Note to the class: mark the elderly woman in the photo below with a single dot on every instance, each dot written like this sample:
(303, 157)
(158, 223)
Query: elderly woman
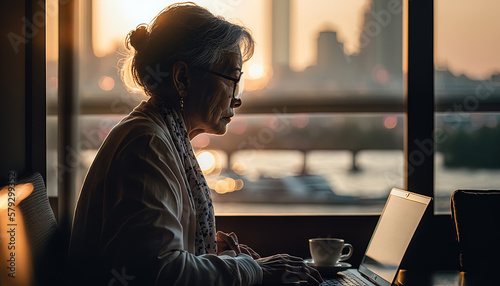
(144, 215)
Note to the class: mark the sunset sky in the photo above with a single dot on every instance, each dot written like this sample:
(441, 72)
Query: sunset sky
(308, 18)
(466, 38)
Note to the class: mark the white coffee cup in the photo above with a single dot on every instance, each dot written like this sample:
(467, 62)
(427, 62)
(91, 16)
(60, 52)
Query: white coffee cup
(329, 251)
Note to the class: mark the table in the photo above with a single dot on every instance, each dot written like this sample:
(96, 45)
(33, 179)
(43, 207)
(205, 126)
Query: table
(442, 278)
(437, 278)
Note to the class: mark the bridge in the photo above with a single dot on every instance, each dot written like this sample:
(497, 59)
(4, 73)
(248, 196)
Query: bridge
(306, 133)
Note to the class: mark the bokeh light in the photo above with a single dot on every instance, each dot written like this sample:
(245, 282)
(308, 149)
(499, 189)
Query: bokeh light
(201, 141)
(106, 83)
(207, 161)
(52, 83)
(221, 187)
(239, 184)
(239, 168)
(380, 74)
(300, 120)
(390, 122)
(238, 126)
(225, 185)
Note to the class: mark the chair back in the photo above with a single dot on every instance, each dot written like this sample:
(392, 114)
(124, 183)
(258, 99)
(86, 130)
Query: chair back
(43, 236)
(476, 215)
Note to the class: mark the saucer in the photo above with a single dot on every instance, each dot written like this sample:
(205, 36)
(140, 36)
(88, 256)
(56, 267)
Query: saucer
(328, 270)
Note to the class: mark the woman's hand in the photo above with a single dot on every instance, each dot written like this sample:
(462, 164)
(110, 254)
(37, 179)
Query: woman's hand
(287, 269)
(229, 241)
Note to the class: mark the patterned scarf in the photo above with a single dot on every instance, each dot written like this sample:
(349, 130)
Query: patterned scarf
(197, 187)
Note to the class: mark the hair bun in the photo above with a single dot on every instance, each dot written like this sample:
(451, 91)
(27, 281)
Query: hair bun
(139, 38)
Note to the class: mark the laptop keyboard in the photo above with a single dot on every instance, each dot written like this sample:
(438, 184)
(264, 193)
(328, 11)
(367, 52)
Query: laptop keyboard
(344, 279)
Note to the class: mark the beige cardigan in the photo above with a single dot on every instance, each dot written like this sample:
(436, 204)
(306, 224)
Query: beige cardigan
(134, 222)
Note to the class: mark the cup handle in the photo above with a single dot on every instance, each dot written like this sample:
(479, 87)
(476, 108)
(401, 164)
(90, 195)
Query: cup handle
(349, 254)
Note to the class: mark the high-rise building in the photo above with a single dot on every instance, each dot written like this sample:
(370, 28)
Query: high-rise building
(280, 37)
(330, 51)
(333, 64)
(381, 45)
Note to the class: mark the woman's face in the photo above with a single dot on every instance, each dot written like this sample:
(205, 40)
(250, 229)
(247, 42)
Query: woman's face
(210, 97)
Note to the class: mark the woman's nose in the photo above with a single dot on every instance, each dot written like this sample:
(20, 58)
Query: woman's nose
(235, 103)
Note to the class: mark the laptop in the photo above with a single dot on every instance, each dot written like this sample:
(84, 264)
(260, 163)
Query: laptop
(398, 222)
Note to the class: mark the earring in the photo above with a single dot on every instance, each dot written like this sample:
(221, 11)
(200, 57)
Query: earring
(182, 94)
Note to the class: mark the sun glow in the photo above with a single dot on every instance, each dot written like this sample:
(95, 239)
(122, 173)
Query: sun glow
(20, 192)
(16, 252)
(256, 71)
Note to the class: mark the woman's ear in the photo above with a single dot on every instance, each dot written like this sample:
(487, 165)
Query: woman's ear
(180, 77)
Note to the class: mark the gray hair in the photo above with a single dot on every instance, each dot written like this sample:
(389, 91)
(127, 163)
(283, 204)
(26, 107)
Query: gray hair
(181, 32)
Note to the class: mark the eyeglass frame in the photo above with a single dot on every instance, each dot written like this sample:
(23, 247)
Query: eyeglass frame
(235, 80)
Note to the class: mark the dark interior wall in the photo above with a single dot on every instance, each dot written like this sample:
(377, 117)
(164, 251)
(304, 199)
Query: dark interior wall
(12, 100)
(22, 100)
(434, 248)
(269, 235)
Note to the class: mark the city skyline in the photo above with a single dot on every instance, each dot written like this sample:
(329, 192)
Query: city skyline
(464, 38)
(377, 63)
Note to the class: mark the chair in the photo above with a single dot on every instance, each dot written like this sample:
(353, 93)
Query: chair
(476, 215)
(43, 236)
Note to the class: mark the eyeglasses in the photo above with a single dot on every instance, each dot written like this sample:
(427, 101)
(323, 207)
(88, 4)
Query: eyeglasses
(238, 82)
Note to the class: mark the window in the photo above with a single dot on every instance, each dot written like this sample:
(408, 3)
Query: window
(51, 85)
(467, 86)
(323, 103)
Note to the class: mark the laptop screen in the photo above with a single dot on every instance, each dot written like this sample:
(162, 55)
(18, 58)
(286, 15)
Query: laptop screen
(397, 224)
